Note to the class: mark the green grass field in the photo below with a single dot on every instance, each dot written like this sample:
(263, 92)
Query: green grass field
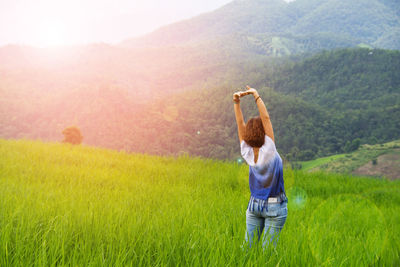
(311, 164)
(83, 206)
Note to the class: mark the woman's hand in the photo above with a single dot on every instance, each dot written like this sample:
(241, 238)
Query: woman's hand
(251, 91)
(236, 96)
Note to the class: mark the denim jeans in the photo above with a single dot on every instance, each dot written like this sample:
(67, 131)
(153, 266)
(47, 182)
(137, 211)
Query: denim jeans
(269, 217)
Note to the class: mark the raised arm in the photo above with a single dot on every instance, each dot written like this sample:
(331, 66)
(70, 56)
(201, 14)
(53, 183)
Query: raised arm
(263, 112)
(238, 115)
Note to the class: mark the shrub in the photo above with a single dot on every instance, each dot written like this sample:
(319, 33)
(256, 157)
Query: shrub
(306, 155)
(72, 135)
(352, 146)
(296, 165)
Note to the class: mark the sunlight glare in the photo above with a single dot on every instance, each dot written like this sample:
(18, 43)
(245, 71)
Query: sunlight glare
(51, 33)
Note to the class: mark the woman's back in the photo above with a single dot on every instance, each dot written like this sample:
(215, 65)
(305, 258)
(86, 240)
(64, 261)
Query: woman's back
(265, 174)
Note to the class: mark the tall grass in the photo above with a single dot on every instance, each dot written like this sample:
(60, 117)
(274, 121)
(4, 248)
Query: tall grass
(83, 206)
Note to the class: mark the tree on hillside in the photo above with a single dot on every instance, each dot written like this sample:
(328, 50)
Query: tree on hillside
(72, 135)
(352, 146)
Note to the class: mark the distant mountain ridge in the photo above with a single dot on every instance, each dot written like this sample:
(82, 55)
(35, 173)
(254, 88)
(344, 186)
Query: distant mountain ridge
(276, 27)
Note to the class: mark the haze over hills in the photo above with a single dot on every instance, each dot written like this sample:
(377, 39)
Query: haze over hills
(169, 92)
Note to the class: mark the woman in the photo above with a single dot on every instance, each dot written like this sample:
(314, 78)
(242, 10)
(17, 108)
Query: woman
(267, 208)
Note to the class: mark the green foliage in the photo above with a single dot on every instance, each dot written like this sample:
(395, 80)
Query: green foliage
(82, 206)
(296, 165)
(353, 146)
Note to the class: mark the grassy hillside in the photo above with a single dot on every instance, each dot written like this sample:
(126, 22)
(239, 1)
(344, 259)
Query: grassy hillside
(81, 206)
(381, 160)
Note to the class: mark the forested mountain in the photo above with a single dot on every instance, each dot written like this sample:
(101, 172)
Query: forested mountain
(275, 27)
(349, 79)
(319, 106)
(327, 104)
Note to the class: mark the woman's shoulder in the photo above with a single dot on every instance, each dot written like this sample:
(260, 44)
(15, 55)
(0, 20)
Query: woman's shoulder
(246, 151)
(269, 144)
(267, 151)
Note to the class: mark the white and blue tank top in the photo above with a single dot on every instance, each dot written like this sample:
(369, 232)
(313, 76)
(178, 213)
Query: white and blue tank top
(265, 176)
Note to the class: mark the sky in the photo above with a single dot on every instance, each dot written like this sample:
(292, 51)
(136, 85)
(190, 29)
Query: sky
(47, 23)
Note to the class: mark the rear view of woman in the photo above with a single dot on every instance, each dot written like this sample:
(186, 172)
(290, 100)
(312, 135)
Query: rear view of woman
(267, 209)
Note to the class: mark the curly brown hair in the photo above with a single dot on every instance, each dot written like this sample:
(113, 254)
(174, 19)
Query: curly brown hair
(254, 134)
